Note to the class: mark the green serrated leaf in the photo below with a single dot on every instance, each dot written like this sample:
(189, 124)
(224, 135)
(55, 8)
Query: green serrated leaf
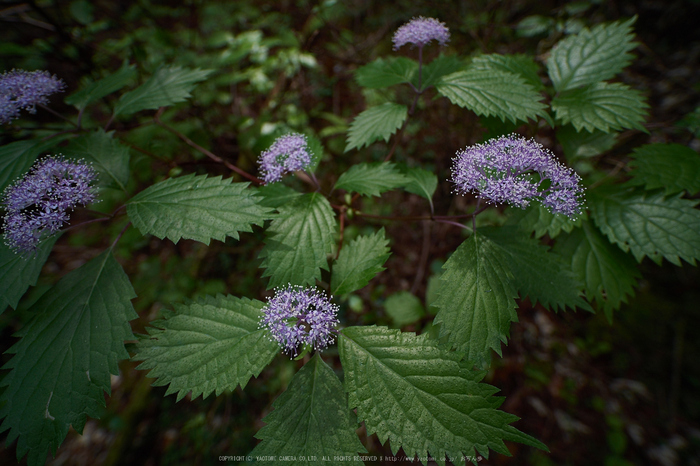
(196, 207)
(404, 308)
(299, 241)
(583, 144)
(648, 224)
(420, 182)
(531, 26)
(608, 274)
(490, 92)
(521, 65)
(109, 157)
(371, 179)
(19, 272)
(311, 420)
(436, 69)
(385, 72)
(316, 149)
(536, 218)
(61, 366)
(168, 85)
(602, 106)
(673, 167)
(105, 86)
(209, 345)
(359, 262)
(16, 158)
(476, 299)
(375, 123)
(537, 273)
(591, 56)
(276, 194)
(422, 398)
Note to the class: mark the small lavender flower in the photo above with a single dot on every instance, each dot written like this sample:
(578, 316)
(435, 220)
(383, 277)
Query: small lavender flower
(420, 31)
(23, 90)
(37, 204)
(516, 170)
(299, 317)
(287, 154)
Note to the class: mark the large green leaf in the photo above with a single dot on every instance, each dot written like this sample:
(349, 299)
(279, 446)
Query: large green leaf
(62, 364)
(422, 398)
(404, 308)
(105, 86)
(385, 72)
(436, 69)
(491, 92)
(168, 85)
(109, 157)
(602, 106)
(539, 274)
(299, 241)
(609, 275)
(375, 123)
(276, 194)
(198, 208)
(212, 344)
(591, 56)
(311, 420)
(476, 299)
(583, 144)
(421, 182)
(521, 65)
(359, 262)
(19, 272)
(648, 224)
(16, 158)
(673, 167)
(536, 218)
(371, 179)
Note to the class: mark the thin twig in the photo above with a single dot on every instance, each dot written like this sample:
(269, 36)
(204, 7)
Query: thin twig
(206, 152)
(86, 222)
(55, 113)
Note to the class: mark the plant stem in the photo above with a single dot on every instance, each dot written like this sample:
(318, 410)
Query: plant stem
(119, 236)
(206, 152)
(476, 212)
(54, 112)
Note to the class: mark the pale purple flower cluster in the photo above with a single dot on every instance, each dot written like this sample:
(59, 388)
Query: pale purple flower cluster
(37, 205)
(287, 154)
(23, 90)
(299, 317)
(420, 31)
(514, 170)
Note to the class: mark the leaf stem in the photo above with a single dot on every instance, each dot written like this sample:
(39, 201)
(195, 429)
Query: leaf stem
(119, 236)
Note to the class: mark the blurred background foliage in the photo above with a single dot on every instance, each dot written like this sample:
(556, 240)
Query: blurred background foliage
(595, 393)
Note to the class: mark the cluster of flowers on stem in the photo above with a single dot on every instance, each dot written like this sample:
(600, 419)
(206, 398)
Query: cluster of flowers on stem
(298, 318)
(24, 90)
(287, 154)
(420, 31)
(514, 170)
(37, 205)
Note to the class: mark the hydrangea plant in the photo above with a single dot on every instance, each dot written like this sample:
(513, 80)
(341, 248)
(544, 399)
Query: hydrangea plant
(501, 171)
(24, 90)
(37, 205)
(423, 393)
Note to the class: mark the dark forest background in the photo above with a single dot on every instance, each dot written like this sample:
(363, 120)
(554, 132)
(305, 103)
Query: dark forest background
(595, 393)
